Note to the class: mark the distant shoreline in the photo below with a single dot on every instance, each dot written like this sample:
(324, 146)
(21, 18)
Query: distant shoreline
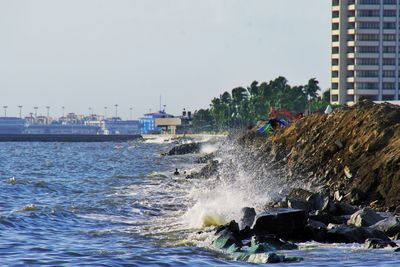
(67, 138)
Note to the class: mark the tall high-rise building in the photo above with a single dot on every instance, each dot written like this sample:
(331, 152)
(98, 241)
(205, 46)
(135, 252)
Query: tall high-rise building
(365, 50)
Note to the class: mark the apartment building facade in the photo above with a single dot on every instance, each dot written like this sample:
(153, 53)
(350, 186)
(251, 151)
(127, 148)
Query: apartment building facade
(365, 50)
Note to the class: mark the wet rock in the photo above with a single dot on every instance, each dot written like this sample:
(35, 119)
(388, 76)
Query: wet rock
(205, 159)
(351, 234)
(316, 224)
(356, 196)
(326, 218)
(207, 171)
(364, 217)
(344, 209)
(183, 149)
(248, 215)
(228, 235)
(269, 243)
(376, 243)
(262, 258)
(390, 226)
(301, 205)
(286, 223)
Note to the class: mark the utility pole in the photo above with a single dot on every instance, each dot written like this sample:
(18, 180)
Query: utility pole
(20, 111)
(63, 111)
(131, 112)
(5, 111)
(48, 111)
(116, 110)
(36, 108)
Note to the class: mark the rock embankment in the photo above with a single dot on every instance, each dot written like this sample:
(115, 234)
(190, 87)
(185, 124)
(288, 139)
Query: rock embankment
(354, 153)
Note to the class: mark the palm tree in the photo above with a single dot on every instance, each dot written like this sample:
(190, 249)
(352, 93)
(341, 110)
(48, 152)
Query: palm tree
(311, 90)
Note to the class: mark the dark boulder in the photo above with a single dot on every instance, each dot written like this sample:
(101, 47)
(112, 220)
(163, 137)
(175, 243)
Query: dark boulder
(364, 217)
(207, 171)
(390, 226)
(248, 216)
(302, 199)
(183, 149)
(228, 236)
(375, 243)
(351, 234)
(206, 158)
(342, 208)
(285, 223)
(269, 243)
(326, 218)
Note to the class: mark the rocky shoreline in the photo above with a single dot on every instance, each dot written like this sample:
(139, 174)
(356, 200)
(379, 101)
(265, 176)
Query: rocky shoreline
(349, 181)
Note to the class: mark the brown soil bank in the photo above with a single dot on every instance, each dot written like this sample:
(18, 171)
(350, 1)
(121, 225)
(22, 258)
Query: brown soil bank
(353, 152)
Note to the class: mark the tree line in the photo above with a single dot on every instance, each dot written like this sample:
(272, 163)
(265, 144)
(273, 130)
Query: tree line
(246, 105)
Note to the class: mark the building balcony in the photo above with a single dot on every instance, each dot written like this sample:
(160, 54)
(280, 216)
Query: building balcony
(351, 43)
(351, 31)
(335, 32)
(335, 56)
(389, 19)
(364, 7)
(389, 67)
(335, 68)
(367, 43)
(389, 79)
(336, 20)
(366, 79)
(389, 31)
(367, 55)
(368, 19)
(368, 31)
(367, 91)
(389, 43)
(335, 80)
(336, 8)
(350, 91)
(335, 44)
(365, 67)
(350, 79)
(388, 92)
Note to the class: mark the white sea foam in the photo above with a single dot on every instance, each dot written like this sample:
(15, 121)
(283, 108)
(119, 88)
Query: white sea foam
(208, 148)
(241, 183)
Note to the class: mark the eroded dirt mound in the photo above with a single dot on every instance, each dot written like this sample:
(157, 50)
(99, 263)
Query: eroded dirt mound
(354, 152)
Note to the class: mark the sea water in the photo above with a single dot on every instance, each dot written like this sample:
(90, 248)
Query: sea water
(119, 204)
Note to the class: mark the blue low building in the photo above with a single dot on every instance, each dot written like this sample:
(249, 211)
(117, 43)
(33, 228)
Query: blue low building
(11, 125)
(148, 125)
(118, 126)
(62, 129)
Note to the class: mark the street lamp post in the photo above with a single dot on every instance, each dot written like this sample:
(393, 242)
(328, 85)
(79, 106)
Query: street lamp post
(63, 108)
(48, 111)
(36, 108)
(130, 109)
(20, 111)
(5, 111)
(116, 110)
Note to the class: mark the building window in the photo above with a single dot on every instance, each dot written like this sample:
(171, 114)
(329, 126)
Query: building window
(389, 49)
(389, 86)
(367, 61)
(389, 73)
(367, 49)
(335, 98)
(367, 86)
(368, 37)
(367, 73)
(389, 37)
(389, 61)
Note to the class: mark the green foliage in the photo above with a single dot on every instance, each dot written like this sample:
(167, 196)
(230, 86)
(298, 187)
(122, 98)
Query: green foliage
(245, 106)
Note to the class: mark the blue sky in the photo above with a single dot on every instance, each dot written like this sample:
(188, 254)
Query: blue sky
(96, 53)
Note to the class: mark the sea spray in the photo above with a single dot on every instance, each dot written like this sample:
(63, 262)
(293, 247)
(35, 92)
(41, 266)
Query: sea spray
(242, 181)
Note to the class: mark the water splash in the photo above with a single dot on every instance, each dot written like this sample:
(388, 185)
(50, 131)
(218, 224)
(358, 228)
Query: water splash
(242, 181)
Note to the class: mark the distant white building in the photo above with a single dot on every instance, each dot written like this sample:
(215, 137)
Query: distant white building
(365, 50)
